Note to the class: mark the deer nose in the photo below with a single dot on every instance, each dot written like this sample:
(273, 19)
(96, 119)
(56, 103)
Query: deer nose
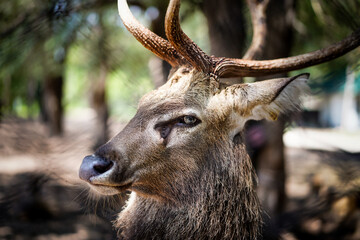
(93, 166)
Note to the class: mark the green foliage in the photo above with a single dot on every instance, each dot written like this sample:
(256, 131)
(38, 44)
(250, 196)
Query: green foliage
(33, 47)
(77, 38)
(322, 22)
(125, 59)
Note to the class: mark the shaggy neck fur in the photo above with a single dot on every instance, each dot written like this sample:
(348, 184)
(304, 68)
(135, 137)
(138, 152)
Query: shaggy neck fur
(222, 203)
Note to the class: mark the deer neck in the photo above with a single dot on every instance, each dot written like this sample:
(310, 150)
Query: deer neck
(225, 204)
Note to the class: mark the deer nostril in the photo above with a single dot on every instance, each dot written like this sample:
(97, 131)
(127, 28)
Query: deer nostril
(93, 166)
(103, 166)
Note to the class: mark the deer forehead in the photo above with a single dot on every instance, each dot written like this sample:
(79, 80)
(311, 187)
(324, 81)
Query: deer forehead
(184, 89)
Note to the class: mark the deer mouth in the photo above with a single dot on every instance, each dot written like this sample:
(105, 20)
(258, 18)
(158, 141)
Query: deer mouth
(110, 189)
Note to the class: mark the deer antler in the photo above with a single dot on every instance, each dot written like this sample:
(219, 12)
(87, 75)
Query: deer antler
(231, 67)
(181, 50)
(156, 44)
(182, 43)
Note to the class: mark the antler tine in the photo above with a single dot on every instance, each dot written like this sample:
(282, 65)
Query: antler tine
(230, 67)
(182, 43)
(156, 44)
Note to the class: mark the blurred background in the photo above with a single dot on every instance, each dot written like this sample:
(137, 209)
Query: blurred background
(71, 77)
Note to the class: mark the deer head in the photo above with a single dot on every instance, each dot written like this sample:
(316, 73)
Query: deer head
(175, 123)
(194, 120)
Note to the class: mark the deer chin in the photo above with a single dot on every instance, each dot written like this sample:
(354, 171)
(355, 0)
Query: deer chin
(111, 189)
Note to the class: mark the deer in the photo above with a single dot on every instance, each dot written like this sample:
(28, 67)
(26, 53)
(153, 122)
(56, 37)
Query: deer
(182, 156)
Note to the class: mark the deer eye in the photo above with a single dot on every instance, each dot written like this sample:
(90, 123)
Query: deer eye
(188, 121)
(184, 121)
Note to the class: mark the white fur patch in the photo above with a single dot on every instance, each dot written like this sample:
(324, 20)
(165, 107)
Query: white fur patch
(130, 203)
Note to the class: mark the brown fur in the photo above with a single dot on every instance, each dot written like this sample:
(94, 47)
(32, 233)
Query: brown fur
(219, 202)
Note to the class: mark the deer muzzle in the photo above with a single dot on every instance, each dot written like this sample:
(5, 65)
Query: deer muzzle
(98, 173)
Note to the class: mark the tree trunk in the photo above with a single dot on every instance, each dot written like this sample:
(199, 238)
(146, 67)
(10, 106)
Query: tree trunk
(53, 109)
(98, 97)
(226, 26)
(159, 69)
(98, 102)
(5, 98)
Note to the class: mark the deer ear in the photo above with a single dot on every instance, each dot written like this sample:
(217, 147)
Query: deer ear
(267, 99)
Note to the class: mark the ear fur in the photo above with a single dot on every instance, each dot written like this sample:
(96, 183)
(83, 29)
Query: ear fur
(260, 100)
(286, 98)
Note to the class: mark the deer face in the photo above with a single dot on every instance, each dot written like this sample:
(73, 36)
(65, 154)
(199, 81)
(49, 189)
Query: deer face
(164, 145)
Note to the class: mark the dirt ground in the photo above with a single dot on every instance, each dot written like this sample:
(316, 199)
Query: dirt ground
(41, 196)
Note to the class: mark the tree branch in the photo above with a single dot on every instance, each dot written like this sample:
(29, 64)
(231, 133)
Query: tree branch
(258, 20)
